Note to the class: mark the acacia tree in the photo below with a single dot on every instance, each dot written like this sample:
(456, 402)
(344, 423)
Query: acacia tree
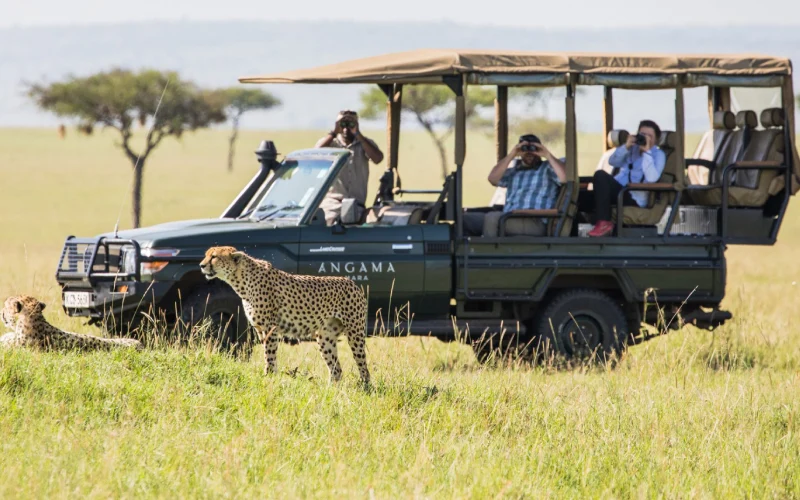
(239, 101)
(117, 98)
(433, 106)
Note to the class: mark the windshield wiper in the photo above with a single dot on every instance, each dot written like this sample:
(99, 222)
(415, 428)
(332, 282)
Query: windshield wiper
(288, 206)
(247, 213)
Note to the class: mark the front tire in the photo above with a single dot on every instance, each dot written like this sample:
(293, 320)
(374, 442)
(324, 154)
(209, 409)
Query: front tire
(583, 324)
(227, 325)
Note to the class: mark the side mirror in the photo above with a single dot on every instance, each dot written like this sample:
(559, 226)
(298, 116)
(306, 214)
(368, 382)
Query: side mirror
(337, 227)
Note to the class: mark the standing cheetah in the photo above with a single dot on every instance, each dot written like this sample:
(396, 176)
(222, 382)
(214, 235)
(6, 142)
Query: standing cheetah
(279, 304)
(23, 314)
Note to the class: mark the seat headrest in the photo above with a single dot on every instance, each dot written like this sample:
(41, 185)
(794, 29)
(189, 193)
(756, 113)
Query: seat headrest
(668, 139)
(746, 119)
(772, 117)
(617, 137)
(724, 120)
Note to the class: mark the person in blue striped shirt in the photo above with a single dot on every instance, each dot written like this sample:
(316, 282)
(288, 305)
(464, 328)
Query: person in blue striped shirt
(532, 177)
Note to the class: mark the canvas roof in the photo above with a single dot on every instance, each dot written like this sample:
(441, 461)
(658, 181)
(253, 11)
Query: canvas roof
(430, 65)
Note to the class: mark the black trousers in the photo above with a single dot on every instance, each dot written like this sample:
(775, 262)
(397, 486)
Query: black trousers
(603, 197)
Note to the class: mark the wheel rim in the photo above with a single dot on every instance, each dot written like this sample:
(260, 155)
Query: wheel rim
(580, 335)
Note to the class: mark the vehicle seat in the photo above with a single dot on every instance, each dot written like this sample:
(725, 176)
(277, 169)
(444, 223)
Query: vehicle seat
(658, 201)
(395, 215)
(711, 146)
(749, 188)
(614, 139)
(520, 224)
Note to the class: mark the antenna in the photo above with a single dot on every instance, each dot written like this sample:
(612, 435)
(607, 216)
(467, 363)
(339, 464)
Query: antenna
(139, 156)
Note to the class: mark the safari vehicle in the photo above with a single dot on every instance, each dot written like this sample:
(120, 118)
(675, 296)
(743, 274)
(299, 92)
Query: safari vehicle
(423, 276)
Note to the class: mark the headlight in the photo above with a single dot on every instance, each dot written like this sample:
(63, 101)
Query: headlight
(127, 259)
(150, 268)
(128, 265)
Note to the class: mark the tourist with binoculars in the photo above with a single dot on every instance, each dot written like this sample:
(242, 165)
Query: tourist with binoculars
(531, 176)
(353, 177)
(639, 160)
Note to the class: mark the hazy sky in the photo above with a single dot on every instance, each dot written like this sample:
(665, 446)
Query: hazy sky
(569, 13)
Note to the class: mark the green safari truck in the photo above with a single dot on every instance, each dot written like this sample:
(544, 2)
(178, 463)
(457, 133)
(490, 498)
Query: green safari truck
(582, 296)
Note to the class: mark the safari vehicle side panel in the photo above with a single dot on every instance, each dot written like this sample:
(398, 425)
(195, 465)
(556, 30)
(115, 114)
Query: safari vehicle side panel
(524, 270)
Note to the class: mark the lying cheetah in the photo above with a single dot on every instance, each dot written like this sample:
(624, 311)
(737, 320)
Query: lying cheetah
(23, 314)
(279, 304)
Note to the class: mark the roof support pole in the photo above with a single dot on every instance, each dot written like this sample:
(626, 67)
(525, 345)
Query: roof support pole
(719, 99)
(570, 134)
(790, 156)
(712, 105)
(571, 142)
(501, 122)
(608, 115)
(458, 85)
(394, 95)
(679, 129)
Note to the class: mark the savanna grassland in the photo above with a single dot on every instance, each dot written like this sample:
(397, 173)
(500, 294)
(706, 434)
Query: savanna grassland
(688, 414)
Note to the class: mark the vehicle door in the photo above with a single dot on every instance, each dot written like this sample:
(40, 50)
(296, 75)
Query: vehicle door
(388, 261)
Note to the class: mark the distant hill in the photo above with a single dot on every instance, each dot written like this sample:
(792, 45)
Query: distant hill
(216, 54)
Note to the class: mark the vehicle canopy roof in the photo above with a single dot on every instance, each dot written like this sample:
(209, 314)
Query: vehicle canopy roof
(435, 65)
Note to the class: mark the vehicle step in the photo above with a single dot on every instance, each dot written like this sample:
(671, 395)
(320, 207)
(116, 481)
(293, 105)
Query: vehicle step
(445, 327)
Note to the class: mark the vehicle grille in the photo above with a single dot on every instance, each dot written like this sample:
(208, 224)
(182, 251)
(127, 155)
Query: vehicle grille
(76, 257)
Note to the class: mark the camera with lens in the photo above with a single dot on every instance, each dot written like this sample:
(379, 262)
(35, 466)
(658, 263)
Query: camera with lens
(641, 140)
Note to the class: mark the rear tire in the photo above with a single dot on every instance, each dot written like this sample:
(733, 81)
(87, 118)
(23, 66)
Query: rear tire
(586, 324)
(228, 328)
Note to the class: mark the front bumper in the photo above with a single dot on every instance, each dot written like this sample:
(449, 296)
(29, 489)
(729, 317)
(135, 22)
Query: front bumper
(102, 277)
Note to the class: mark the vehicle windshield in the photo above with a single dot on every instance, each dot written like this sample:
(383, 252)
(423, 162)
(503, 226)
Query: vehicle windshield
(294, 185)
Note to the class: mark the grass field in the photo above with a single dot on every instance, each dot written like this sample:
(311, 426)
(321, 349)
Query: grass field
(689, 414)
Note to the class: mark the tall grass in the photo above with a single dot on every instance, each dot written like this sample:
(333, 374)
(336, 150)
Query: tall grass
(687, 414)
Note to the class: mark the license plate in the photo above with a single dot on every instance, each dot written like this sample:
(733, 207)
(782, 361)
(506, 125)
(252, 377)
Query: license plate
(77, 299)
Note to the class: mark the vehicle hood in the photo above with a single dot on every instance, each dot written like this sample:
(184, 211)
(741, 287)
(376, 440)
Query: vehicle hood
(203, 233)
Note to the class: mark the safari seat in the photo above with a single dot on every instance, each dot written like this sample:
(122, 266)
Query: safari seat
(748, 187)
(520, 222)
(614, 139)
(395, 214)
(711, 147)
(662, 193)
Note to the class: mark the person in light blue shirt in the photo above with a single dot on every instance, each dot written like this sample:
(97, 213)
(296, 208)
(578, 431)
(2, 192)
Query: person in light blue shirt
(638, 161)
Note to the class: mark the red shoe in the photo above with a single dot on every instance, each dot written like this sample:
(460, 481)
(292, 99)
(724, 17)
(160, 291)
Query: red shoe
(602, 228)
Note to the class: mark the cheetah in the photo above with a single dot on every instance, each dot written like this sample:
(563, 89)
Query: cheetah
(23, 314)
(279, 304)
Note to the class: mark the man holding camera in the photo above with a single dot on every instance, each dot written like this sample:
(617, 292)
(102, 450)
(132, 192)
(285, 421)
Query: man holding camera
(640, 160)
(531, 184)
(352, 179)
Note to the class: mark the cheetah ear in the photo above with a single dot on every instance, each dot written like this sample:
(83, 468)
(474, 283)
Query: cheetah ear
(42, 305)
(18, 306)
(237, 257)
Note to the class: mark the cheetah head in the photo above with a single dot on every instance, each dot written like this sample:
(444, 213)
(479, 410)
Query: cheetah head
(20, 305)
(221, 262)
